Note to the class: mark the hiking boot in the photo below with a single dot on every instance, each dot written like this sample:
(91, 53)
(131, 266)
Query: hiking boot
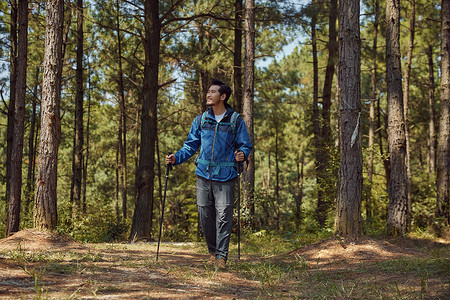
(221, 263)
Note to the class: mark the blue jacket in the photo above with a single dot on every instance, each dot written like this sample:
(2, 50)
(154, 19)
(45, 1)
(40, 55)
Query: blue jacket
(217, 144)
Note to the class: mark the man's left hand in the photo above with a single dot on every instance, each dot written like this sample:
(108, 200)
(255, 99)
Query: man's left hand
(239, 155)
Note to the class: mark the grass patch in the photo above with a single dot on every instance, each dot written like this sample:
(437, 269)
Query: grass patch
(266, 243)
(432, 266)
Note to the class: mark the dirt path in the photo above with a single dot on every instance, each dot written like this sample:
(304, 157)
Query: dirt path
(42, 265)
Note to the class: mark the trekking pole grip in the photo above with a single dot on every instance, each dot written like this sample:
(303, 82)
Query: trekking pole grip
(239, 165)
(169, 166)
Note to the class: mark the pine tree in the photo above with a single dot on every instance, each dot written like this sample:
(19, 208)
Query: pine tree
(247, 110)
(443, 164)
(396, 220)
(15, 185)
(77, 168)
(45, 203)
(143, 212)
(348, 206)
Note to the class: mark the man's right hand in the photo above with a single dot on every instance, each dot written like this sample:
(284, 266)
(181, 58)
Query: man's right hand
(170, 159)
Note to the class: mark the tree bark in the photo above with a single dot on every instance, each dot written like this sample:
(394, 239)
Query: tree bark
(15, 185)
(122, 121)
(248, 178)
(396, 223)
(431, 157)
(159, 175)
(316, 115)
(373, 92)
(136, 151)
(77, 166)
(325, 181)
(384, 156)
(45, 203)
(204, 76)
(442, 202)
(261, 168)
(348, 206)
(412, 23)
(143, 213)
(66, 26)
(86, 156)
(12, 97)
(31, 145)
(379, 116)
(117, 185)
(237, 62)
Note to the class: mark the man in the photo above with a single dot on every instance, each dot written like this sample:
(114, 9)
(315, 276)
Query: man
(222, 137)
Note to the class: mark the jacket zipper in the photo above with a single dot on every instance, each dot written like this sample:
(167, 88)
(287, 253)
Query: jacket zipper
(212, 152)
(214, 143)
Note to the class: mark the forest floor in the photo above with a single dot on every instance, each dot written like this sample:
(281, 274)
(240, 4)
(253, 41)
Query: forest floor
(37, 265)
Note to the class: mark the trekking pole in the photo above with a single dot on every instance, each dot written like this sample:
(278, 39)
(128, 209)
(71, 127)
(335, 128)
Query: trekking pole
(239, 170)
(169, 167)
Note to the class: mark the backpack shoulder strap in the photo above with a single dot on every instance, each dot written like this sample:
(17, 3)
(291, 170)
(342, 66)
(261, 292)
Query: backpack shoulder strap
(232, 122)
(233, 119)
(203, 120)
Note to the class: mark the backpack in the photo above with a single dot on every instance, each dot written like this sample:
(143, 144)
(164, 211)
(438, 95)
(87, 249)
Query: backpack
(232, 123)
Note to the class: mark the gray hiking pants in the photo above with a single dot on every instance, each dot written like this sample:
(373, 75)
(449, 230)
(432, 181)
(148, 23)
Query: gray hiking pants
(215, 202)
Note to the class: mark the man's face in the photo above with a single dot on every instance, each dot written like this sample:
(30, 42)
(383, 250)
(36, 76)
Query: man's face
(213, 96)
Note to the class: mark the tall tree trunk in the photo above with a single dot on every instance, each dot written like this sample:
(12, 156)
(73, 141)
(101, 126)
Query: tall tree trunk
(203, 83)
(370, 160)
(396, 223)
(86, 156)
(122, 121)
(45, 212)
(384, 156)
(143, 213)
(136, 153)
(299, 196)
(31, 145)
(77, 165)
(248, 179)
(412, 29)
(204, 74)
(117, 185)
(15, 194)
(316, 114)
(67, 24)
(12, 98)
(373, 92)
(261, 168)
(159, 175)
(348, 206)
(325, 181)
(431, 157)
(237, 65)
(443, 202)
(379, 117)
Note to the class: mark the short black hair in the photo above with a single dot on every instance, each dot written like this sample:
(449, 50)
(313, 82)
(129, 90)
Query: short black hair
(223, 88)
